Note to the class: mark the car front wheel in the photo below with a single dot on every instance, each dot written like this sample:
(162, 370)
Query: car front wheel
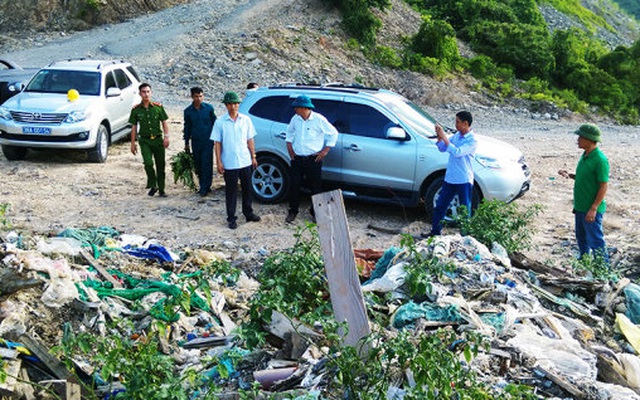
(270, 180)
(14, 153)
(432, 193)
(99, 153)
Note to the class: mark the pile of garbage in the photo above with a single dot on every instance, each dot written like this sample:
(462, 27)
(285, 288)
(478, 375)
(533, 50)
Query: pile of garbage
(560, 335)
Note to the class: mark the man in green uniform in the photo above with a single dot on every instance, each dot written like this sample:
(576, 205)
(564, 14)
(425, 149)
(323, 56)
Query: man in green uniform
(149, 125)
(589, 189)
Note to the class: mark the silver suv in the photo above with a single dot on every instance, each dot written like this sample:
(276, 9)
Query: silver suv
(47, 113)
(386, 149)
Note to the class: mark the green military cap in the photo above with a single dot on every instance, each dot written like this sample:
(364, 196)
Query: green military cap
(589, 131)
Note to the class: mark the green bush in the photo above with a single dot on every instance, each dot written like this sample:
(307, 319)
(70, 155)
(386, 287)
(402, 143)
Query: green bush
(358, 20)
(524, 47)
(386, 57)
(292, 282)
(504, 223)
(437, 39)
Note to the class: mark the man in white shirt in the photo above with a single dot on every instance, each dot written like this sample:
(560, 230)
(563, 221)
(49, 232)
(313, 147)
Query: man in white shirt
(232, 136)
(309, 138)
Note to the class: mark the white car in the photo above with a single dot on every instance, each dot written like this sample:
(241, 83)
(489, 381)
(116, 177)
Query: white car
(73, 104)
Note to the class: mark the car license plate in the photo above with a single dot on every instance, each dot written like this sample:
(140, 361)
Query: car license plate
(36, 130)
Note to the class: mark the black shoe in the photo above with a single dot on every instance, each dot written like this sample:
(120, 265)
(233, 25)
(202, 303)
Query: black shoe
(162, 194)
(427, 235)
(152, 191)
(253, 218)
(291, 217)
(233, 225)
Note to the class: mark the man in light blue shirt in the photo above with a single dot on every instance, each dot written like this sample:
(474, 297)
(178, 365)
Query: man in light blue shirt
(458, 179)
(309, 138)
(232, 136)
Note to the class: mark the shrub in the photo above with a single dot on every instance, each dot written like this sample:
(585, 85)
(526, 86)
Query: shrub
(358, 20)
(524, 47)
(294, 283)
(437, 39)
(504, 223)
(386, 57)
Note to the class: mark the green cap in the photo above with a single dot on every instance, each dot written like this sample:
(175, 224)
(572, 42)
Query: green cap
(589, 131)
(231, 97)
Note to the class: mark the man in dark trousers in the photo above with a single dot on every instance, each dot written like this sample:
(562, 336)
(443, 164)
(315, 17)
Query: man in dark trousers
(309, 138)
(199, 118)
(235, 151)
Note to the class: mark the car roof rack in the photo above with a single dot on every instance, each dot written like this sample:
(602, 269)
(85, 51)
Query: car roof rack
(330, 85)
(51, 64)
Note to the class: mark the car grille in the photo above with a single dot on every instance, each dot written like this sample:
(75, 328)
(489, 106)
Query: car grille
(43, 138)
(38, 118)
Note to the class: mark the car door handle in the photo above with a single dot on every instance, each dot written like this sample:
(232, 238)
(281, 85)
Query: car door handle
(281, 135)
(353, 147)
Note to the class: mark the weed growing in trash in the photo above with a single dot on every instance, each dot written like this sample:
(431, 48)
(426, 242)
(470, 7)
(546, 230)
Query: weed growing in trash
(421, 269)
(144, 371)
(504, 223)
(596, 266)
(430, 362)
(292, 282)
(4, 221)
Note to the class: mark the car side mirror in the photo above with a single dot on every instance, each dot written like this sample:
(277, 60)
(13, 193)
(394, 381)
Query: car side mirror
(396, 132)
(16, 87)
(114, 92)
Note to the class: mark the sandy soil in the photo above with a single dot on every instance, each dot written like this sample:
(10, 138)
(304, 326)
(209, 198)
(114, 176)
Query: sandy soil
(51, 191)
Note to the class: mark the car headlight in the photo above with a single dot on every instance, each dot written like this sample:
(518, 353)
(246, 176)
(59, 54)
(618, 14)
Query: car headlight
(76, 116)
(5, 114)
(490, 162)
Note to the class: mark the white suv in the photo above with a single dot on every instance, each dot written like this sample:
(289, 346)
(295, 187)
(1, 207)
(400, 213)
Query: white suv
(48, 114)
(386, 151)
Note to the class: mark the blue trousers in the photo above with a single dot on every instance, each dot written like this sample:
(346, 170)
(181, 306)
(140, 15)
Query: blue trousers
(203, 161)
(447, 193)
(590, 236)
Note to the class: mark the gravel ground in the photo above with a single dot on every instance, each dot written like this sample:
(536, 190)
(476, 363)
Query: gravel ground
(222, 46)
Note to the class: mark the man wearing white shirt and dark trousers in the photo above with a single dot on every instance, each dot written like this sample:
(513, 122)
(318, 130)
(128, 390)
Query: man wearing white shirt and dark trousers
(309, 138)
(232, 136)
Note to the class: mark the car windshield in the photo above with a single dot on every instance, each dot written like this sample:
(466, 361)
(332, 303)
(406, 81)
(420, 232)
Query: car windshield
(411, 114)
(57, 81)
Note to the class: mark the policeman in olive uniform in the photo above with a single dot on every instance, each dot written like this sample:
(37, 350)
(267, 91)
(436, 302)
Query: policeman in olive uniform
(153, 139)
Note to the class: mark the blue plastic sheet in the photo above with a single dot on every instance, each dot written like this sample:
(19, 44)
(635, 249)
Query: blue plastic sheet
(632, 294)
(408, 313)
(383, 263)
(152, 252)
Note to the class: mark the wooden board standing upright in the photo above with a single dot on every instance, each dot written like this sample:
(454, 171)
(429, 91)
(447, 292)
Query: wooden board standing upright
(340, 265)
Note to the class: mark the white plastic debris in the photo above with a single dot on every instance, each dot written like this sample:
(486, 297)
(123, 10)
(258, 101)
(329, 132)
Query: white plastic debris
(60, 245)
(390, 281)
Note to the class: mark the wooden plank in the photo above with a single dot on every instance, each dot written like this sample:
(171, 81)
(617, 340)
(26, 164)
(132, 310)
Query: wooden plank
(53, 364)
(340, 265)
(101, 270)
